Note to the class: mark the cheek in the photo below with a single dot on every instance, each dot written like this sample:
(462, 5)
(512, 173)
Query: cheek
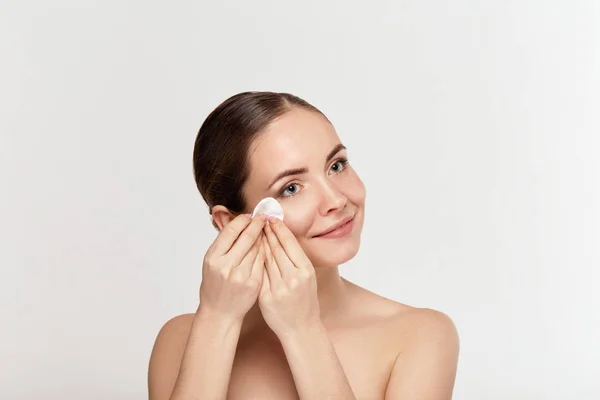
(299, 215)
(354, 189)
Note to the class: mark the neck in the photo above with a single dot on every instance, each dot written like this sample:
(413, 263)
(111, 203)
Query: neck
(332, 291)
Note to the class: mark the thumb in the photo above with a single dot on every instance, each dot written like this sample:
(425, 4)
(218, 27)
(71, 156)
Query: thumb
(258, 266)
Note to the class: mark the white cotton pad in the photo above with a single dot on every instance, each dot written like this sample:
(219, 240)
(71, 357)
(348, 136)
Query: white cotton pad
(269, 206)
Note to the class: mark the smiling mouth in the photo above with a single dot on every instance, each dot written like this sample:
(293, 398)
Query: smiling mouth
(339, 228)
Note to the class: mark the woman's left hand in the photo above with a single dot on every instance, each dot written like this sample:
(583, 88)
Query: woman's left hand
(288, 297)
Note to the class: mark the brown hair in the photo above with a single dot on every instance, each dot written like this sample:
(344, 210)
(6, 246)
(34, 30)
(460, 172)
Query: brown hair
(221, 147)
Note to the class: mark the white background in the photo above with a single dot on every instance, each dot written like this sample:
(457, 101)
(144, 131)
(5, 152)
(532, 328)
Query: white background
(474, 125)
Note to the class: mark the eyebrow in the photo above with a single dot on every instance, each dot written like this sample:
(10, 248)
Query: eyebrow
(304, 170)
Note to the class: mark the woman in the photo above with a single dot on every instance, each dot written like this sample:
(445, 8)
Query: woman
(276, 320)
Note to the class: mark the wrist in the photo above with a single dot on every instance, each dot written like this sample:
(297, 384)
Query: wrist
(213, 318)
(302, 332)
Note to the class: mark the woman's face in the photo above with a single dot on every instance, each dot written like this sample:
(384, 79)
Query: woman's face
(319, 188)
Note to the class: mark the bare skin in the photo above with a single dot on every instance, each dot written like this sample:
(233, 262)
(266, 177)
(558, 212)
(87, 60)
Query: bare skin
(382, 349)
(368, 336)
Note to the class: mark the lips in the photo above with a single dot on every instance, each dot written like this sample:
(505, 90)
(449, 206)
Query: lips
(335, 226)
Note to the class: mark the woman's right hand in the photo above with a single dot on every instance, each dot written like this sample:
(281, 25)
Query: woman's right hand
(232, 270)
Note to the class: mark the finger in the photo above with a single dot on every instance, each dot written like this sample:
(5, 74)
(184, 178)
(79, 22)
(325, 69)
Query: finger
(266, 284)
(289, 243)
(259, 262)
(246, 265)
(270, 264)
(285, 264)
(229, 234)
(245, 241)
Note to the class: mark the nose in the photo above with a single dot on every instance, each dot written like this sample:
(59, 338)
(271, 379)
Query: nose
(332, 199)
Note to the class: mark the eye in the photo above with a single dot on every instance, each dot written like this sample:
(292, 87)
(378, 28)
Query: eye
(339, 165)
(289, 190)
(292, 189)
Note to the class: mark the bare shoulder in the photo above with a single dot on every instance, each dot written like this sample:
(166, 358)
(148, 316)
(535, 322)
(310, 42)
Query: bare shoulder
(166, 356)
(173, 335)
(407, 323)
(407, 318)
(425, 345)
(427, 357)
(425, 326)
(178, 324)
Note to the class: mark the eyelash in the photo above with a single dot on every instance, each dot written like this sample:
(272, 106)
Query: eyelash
(343, 161)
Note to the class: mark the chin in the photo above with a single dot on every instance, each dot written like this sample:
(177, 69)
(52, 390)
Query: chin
(327, 255)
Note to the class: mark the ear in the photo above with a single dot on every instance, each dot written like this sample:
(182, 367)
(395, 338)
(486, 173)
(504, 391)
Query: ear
(221, 216)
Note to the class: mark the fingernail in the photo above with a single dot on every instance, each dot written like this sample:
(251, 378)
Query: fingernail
(263, 217)
(272, 219)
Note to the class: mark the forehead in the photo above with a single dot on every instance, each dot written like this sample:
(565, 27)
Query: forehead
(299, 138)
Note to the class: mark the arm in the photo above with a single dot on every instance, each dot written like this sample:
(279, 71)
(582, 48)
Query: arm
(193, 355)
(426, 368)
(315, 366)
(289, 304)
(196, 365)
